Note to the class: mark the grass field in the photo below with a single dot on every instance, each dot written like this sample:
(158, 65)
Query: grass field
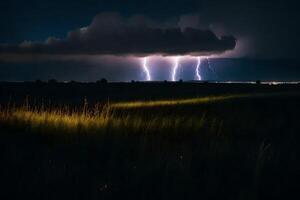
(239, 146)
(100, 117)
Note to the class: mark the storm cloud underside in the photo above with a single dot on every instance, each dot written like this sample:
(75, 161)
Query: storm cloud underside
(112, 34)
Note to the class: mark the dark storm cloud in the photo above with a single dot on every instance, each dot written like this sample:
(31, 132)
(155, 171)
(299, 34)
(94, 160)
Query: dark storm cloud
(111, 34)
(265, 29)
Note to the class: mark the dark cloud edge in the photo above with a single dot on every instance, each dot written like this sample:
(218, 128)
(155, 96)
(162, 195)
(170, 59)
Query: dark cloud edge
(135, 39)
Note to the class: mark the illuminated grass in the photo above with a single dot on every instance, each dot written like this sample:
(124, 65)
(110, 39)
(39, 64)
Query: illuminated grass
(91, 123)
(104, 118)
(224, 143)
(114, 116)
(190, 101)
(59, 119)
(175, 102)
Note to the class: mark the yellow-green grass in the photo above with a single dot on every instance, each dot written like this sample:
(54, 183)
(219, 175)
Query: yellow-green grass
(95, 124)
(174, 102)
(189, 101)
(113, 116)
(228, 144)
(100, 119)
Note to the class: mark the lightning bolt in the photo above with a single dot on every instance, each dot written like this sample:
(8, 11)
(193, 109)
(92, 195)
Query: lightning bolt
(145, 67)
(176, 64)
(210, 68)
(198, 76)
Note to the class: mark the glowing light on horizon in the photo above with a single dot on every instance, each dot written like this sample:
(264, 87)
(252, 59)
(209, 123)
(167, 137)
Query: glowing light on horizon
(198, 76)
(145, 67)
(176, 64)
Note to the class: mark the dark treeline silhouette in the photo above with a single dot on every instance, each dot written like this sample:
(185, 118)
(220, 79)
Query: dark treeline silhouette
(74, 92)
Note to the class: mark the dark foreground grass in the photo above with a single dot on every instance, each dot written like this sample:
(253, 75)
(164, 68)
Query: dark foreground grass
(242, 147)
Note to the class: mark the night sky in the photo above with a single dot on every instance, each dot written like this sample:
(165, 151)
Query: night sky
(90, 39)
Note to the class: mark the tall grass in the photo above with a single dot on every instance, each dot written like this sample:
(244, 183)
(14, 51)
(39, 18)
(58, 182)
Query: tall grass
(97, 118)
(138, 116)
(223, 147)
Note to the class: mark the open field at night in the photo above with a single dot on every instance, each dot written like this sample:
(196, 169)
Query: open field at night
(225, 141)
(149, 100)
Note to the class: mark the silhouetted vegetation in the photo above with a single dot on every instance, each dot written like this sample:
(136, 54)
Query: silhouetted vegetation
(73, 82)
(38, 81)
(102, 81)
(52, 81)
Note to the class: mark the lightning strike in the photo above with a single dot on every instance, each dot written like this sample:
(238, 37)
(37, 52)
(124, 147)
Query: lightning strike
(210, 68)
(198, 76)
(176, 64)
(145, 67)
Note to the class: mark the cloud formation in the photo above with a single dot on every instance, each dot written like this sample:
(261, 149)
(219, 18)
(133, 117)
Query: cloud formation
(111, 34)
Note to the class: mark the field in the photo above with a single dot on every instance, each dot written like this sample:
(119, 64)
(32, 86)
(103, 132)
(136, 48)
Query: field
(149, 141)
